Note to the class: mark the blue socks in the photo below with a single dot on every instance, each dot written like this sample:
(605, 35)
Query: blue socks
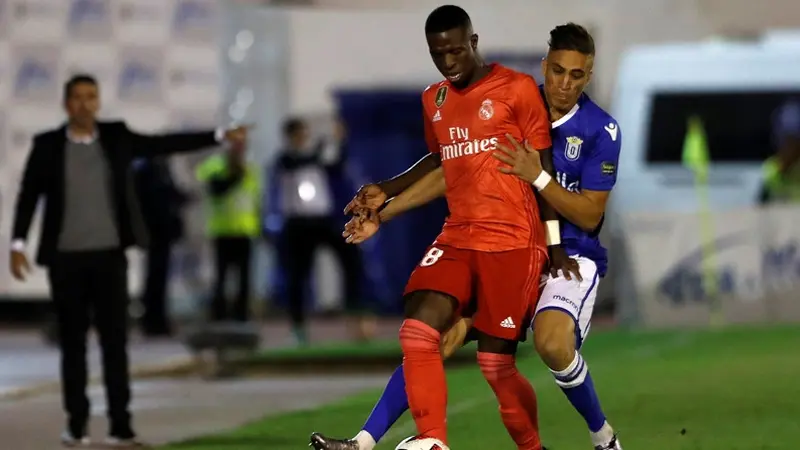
(576, 382)
(392, 404)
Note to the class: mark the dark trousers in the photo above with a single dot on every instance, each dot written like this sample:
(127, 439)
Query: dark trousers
(301, 238)
(92, 288)
(154, 299)
(232, 253)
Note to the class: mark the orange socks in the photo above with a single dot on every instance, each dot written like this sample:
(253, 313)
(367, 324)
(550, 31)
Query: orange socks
(516, 398)
(426, 385)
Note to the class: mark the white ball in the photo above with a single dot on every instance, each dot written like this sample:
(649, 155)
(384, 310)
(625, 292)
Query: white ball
(412, 443)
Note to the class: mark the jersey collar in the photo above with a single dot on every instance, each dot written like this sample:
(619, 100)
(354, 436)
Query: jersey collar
(572, 112)
(566, 117)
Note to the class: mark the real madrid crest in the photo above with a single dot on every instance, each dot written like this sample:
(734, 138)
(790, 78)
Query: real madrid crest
(441, 96)
(573, 150)
(486, 111)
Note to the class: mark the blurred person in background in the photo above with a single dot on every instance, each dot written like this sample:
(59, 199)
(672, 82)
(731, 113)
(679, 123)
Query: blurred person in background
(344, 177)
(82, 171)
(162, 205)
(303, 215)
(234, 199)
(782, 172)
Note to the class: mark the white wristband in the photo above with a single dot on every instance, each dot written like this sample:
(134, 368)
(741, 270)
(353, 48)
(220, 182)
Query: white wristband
(553, 232)
(18, 245)
(542, 181)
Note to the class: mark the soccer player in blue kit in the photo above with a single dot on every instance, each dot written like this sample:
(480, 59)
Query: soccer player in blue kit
(586, 146)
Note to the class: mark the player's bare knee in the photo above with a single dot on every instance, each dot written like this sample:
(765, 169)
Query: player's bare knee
(434, 309)
(554, 338)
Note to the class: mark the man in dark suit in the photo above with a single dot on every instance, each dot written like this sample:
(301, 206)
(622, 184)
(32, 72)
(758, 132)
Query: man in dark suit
(83, 171)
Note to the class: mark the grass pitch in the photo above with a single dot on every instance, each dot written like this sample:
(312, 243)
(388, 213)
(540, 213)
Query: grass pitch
(733, 389)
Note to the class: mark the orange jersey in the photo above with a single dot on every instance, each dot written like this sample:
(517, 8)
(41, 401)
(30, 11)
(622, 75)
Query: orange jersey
(489, 211)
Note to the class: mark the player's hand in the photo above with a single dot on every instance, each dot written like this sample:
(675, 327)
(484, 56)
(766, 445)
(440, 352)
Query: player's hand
(362, 226)
(369, 196)
(238, 136)
(20, 266)
(522, 161)
(562, 265)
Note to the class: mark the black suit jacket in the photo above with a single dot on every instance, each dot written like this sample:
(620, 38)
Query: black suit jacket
(44, 178)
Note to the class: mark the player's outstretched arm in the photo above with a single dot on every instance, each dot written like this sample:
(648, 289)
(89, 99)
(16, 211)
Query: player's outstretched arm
(548, 213)
(560, 263)
(430, 187)
(366, 221)
(396, 185)
(585, 208)
(373, 196)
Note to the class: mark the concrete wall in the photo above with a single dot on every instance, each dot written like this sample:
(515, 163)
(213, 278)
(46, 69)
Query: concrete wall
(371, 42)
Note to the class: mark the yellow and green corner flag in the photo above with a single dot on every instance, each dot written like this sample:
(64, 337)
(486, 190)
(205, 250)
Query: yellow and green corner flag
(695, 157)
(695, 149)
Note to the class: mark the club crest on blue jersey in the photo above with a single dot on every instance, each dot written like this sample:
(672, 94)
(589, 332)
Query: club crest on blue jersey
(573, 150)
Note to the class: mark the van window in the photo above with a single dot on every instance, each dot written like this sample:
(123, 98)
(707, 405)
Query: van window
(738, 125)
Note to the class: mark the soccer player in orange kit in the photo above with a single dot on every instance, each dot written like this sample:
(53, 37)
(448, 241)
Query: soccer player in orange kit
(492, 246)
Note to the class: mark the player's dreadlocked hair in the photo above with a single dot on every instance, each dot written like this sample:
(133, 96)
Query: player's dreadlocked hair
(571, 36)
(445, 18)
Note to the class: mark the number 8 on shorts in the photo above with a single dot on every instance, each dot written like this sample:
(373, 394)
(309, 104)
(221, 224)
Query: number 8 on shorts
(443, 269)
(431, 257)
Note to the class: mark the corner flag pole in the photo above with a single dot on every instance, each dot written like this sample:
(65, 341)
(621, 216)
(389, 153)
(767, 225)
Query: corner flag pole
(696, 158)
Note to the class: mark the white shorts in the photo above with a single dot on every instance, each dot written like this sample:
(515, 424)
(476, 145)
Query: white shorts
(574, 297)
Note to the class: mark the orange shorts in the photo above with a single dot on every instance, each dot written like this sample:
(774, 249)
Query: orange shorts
(505, 285)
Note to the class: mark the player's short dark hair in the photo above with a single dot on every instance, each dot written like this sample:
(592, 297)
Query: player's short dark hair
(571, 36)
(446, 18)
(81, 78)
(292, 125)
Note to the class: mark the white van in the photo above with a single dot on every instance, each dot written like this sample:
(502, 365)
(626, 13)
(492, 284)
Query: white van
(735, 87)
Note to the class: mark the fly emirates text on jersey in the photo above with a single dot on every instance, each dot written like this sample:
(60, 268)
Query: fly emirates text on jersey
(461, 144)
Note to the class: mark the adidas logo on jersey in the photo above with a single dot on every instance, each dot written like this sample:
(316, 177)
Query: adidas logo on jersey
(437, 117)
(507, 323)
